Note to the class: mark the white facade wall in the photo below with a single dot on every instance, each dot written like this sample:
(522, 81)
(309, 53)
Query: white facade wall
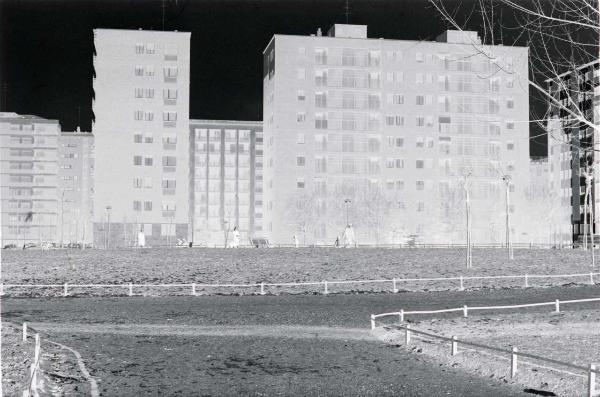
(142, 135)
(433, 111)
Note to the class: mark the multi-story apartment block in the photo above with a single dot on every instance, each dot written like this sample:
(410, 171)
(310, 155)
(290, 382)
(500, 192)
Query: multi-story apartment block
(28, 179)
(75, 187)
(227, 184)
(383, 133)
(141, 132)
(573, 139)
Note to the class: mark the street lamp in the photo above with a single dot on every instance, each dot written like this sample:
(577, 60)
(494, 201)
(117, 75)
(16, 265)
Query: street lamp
(347, 202)
(108, 208)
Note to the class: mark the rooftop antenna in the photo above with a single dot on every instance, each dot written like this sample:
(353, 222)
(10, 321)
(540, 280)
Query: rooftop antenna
(347, 10)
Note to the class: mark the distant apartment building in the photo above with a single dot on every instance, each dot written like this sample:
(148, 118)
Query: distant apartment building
(75, 187)
(28, 179)
(141, 132)
(382, 134)
(573, 142)
(226, 189)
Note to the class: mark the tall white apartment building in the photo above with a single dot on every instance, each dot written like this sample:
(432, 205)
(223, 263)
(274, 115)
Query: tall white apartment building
(382, 133)
(227, 185)
(28, 179)
(141, 131)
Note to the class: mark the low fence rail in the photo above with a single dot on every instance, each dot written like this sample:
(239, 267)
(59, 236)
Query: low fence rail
(591, 370)
(324, 286)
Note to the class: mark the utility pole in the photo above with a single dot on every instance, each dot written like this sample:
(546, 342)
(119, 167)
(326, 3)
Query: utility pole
(469, 261)
(506, 179)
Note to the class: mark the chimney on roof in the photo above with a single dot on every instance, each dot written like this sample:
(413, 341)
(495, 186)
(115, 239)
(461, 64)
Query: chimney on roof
(319, 33)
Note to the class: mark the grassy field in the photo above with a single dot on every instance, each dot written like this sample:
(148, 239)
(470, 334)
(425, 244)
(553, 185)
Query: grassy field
(274, 265)
(571, 337)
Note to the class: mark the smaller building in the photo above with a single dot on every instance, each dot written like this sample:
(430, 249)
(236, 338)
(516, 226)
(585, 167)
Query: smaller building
(227, 180)
(28, 179)
(76, 187)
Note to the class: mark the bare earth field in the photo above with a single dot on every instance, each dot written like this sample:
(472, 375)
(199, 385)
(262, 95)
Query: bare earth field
(572, 337)
(278, 265)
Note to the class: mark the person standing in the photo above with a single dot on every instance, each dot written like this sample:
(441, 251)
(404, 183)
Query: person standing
(141, 238)
(296, 241)
(346, 236)
(236, 238)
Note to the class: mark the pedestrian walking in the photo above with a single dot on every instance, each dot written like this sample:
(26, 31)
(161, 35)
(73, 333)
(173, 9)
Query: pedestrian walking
(336, 243)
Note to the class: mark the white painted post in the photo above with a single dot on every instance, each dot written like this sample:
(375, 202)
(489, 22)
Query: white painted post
(33, 379)
(465, 311)
(462, 288)
(407, 338)
(262, 288)
(526, 281)
(194, 289)
(513, 362)
(372, 322)
(454, 346)
(65, 293)
(401, 315)
(130, 289)
(395, 288)
(557, 306)
(24, 332)
(591, 278)
(36, 351)
(326, 291)
(591, 381)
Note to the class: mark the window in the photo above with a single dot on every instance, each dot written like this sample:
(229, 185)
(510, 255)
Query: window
(300, 161)
(139, 115)
(389, 120)
(420, 142)
(510, 125)
(137, 183)
(148, 138)
(419, 78)
(398, 99)
(170, 94)
(420, 185)
(419, 57)
(148, 161)
(169, 116)
(149, 70)
(321, 164)
(301, 95)
(168, 183)
(147, 205)
(301, 117)
(510, 146)
(137, 205)
(139, 70)
(300, 183)
(137, 138)
(170, 72)
(321, 121)
(137, 160)
(139, 92)
(149, 92)
(399, 142)
(300, 138)
(399, 120)
(150, 48)
(510, 103)
(420, 164)
(389, 163)
(420, 121)
(148, 116)
(320, 99)
(509, 83)
(420, 206)
(169, 161)
(399, 163)
(139, 48)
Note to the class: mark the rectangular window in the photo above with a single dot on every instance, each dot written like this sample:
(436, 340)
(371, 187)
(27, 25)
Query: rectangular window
(420, 121)
(300, 138)
(301, 95)
(149, 92)
(399, 163)
(399, 142)
(420, 185)
(510, 103)
(139, 48)
(137, 160)
(139, 70)
(399, 120)
(137, 183)
(300, 183)
(148, 161)
(138, 115)
(147, 205)
(139, 92)
(169, 116)
(420, 206)
(300, 161)
(168, 183)
(137, 138)
(510, 146)
(137, 205)
(420, 164)
(301, 117)
(149, 70)
(169, 161)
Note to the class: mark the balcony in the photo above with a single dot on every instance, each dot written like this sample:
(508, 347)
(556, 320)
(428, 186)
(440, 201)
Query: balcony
(169, 168)
(168, 214)
(169, 124)
(168, 191)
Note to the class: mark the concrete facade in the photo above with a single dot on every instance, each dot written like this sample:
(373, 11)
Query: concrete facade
(227, 183)
(28, 179)
(141, 134)
(75, 187)
(574, 143)
(381, 133)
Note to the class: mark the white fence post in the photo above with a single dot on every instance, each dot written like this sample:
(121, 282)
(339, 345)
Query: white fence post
(194, 289)
(591, 381)
(454, 346)
(36, 351)
(130, 289)
(513, 362)
(526, 281)
(462, 287)
(372, 322)
(465, 311)
(24, 332)
(394, 282)
(407, 337)
(401, 316)
(326, 291)
(65, 293)
(262, 288)
(33, 379)
(591, 278)
(557, 306)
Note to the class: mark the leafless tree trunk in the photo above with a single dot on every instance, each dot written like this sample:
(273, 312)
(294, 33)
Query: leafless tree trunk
(468, 212)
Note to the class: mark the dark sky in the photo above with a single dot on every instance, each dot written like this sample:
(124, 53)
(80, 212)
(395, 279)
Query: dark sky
(46, 47)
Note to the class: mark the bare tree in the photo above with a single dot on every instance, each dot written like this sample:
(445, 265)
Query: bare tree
(469, 261)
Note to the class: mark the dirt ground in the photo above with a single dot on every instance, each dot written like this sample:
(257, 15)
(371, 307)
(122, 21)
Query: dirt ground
(572, 337)
(273, 265)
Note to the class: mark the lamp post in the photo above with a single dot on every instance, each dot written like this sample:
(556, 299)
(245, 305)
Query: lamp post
(107, 244)
(347, 202)
(506, 179)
